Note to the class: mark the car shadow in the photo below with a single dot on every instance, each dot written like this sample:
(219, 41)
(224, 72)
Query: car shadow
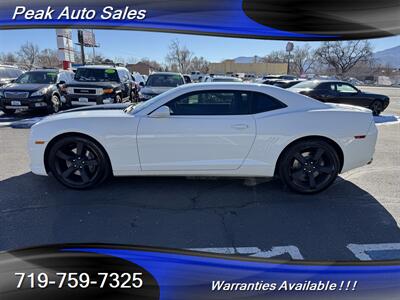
(193, 213)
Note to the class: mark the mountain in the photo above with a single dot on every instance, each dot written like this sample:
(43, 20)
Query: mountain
(389, 56)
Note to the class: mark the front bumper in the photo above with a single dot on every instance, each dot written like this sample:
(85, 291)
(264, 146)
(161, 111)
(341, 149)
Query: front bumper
(81, 100)
(31, 103)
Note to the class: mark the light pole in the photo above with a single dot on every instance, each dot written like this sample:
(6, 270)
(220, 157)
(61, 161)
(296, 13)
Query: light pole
(289, 48)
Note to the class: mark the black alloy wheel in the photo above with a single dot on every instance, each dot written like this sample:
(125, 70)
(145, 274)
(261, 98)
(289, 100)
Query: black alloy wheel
(309, 166)
(78, 162)
(376, 107)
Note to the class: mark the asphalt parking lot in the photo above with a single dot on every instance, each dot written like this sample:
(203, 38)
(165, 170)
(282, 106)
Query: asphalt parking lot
(357, 218)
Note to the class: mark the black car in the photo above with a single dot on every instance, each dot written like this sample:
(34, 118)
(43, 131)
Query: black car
(100, 85)
(271, 79)
(8, 74)
(285, 84)
(35, 90)
(336, 91)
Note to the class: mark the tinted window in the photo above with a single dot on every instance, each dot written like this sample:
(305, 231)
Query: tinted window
(164, 80)
(87, 74)
(38, 77)
(9, 73)
(327, 86)
(210, 103)
(263, 102)
(306, 84)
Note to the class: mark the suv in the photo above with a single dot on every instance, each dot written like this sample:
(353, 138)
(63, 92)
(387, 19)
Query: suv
(160, 82)
(35, 90)
(100, 85)
(8, 74)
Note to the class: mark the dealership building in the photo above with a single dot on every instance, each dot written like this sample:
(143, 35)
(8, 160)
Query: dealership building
(230, 66)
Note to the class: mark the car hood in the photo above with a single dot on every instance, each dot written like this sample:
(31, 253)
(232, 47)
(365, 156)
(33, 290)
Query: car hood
(98, 111)
(155, 90)
(24, 87)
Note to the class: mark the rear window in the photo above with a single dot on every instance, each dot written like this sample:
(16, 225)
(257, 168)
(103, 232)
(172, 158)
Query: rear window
(263, 103)
(164, 80)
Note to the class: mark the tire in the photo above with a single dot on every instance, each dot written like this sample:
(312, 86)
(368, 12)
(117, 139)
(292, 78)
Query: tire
(78, 162)
(118, 99)
(309, 166)
(9, 112)
(54, 105)
(376, 107)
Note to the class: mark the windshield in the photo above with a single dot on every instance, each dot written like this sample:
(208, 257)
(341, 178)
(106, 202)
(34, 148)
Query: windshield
(99, 75)
(306, 85)
(164, 80)
(37, 77)
(136, 107)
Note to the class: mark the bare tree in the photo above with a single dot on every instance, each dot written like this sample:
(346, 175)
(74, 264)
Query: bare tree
(343, 56)
(302, 59)
(152, 64)
(28, 55)
(279, 56)
(179, 56)
(200, 64)
(8, 58)
(48, 58)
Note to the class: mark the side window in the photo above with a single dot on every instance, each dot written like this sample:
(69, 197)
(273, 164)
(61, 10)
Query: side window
(210, 103)
(327, 87)
(262, 102)
(346, 88)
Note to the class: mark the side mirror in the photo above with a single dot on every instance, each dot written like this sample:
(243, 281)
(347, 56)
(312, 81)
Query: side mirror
(161, 112)
(61, 82)
(141, 84)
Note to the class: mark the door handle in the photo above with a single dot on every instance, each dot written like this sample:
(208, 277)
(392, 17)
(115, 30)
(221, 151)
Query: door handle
(240, 126)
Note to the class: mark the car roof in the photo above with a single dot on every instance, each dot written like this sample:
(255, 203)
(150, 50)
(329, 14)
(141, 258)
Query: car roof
(45, 70)
(101, 67)
(166, 73)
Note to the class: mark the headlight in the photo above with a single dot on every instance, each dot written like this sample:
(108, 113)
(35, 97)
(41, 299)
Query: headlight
(40, 92)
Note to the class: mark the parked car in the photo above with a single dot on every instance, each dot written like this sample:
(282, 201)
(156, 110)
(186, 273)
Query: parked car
(287, 83)
(271, 79)
(100, 85)
(40, 89)
(223, 79)
(336, 91)
(214, 129)
(196, 75)
(139, 82)
(8, 74)
(160, 82)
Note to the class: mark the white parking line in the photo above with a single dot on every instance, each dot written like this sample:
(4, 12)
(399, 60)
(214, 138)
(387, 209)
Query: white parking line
(360, 250)
(293, 251)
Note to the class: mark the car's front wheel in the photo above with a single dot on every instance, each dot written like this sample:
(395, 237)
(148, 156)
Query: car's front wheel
(54, 105)
(309, 166)
(78, 162)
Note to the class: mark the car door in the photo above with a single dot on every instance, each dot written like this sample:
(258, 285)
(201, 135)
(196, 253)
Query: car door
(348, 94)
(206, 130)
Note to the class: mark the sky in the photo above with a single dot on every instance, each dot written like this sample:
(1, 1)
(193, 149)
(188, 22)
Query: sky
(153, 45)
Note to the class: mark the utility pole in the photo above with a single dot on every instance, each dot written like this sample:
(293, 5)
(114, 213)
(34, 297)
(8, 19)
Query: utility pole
(289, 48)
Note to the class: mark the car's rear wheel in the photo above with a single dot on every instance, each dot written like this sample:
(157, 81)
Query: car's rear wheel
(118, 99)
(78, 162)
(309, 166)
(376, 107)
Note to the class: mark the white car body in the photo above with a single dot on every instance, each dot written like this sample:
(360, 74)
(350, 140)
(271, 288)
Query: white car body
(140, 144)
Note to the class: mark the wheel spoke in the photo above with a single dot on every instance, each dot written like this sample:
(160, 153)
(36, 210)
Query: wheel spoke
(300, 158)
(63, 155)
(79, 148)
(297, 174)
(311, 181)
(68, 172)
(326, 170)
(84, 175)
(318, 154)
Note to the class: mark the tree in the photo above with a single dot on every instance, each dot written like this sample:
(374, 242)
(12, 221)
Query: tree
(28, 55)
(302, 59)
(200, 64)
(48, 58)
(279, 56)
(179, 56)
(343, 56)
(8, 58)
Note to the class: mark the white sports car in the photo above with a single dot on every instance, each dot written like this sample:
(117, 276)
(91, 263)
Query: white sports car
(215, 129)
